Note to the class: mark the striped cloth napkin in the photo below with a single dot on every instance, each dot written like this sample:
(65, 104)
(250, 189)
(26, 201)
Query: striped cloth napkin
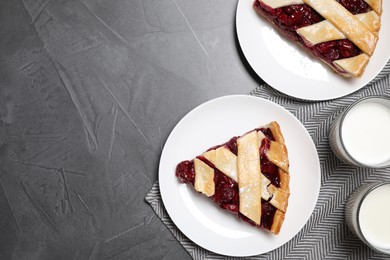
(326, 234)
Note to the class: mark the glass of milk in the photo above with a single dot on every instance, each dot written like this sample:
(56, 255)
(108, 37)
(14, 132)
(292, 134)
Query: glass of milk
(367, 214)
(361, 134)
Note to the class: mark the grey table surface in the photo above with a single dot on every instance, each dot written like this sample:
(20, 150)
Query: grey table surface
(89, 92)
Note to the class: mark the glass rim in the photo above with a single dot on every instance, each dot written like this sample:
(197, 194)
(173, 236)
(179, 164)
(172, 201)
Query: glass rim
(345, 112)
(375, 186)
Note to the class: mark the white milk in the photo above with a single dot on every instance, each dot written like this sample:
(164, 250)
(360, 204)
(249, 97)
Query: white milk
(366, 132)
(374, 217)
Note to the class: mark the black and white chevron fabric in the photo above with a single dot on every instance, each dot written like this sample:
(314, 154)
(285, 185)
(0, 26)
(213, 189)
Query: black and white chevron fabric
(326, 235)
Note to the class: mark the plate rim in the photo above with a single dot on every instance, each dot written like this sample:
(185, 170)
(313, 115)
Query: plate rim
(170, 210)
(271, 81)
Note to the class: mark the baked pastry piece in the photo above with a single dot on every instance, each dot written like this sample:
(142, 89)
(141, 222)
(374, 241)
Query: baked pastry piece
(248, 176)
(341, 33)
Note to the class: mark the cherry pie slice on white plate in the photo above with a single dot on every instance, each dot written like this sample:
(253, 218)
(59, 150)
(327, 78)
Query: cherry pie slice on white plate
(247, 176)
(341, 33)
(219, 122)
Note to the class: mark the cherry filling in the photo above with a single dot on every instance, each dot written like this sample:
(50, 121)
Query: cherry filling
(185, 172)
(267, 132)
(226, 193)
(290, 18)
(338, 49)
(270, 170)
(355, 6)
(267, 214)
(232, 145)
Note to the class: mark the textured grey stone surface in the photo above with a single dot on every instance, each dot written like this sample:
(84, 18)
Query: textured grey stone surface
(89, 92)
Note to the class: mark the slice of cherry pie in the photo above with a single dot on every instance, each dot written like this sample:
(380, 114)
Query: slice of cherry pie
(248, 176)
(341, 33)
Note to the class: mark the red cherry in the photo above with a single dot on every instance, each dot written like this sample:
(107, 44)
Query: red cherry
(347, 49)
(185, 172)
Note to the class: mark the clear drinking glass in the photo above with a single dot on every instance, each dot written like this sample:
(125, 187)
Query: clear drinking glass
(360, 135)
(367, 215)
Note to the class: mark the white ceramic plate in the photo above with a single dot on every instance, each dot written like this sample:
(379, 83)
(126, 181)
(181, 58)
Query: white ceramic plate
(288, 68)
(215, 122)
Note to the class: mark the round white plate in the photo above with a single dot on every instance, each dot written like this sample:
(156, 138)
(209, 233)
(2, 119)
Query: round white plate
(288, 68)
(215, 122)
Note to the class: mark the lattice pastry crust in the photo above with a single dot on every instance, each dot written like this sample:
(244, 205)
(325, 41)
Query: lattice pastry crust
(248, 176)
